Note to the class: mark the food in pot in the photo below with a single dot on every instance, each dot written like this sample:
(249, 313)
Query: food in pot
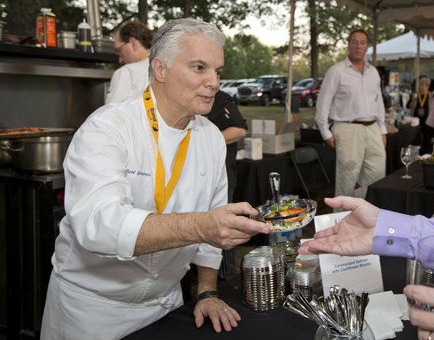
(22, 130)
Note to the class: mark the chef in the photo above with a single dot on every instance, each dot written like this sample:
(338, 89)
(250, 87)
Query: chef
(132, 44)
(145, 197)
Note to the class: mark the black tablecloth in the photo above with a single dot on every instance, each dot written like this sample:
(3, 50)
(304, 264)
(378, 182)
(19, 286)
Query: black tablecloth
(275, 324)
(252, 175)
(252, 178)
(407, 196)
(406, 135)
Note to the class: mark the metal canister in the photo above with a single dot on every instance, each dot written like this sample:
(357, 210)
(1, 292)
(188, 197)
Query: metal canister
(262, 276)
(305, 278)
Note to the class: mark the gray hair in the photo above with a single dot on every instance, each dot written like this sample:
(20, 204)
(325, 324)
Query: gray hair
(425, 80)
(165, 43)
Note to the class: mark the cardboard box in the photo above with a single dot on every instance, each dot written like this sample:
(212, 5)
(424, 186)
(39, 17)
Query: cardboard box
(268, 126)
(277, 144)
(253, 148)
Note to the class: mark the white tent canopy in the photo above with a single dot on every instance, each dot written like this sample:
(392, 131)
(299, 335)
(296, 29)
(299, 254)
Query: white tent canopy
(403, 47)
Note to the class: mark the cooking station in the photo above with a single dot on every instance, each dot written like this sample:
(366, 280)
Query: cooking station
(39, 87)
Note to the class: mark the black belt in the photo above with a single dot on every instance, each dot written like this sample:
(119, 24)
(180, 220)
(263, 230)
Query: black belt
(366, 123)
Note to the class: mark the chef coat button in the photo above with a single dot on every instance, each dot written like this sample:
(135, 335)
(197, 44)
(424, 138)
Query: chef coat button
(391, 231)
(155, 276)
(389, 242)
(202, 173)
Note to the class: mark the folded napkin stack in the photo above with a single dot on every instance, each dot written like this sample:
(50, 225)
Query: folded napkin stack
(385, 313)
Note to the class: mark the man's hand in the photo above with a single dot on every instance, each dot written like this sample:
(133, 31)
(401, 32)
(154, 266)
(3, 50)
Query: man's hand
(353, 235)
(228, 226)
(218, 311)
(419, 318)
(331, 142)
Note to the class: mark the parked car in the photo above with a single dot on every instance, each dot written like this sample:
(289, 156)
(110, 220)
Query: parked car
(306, 91)
(224, 82)
(231, 88)
(263, 90)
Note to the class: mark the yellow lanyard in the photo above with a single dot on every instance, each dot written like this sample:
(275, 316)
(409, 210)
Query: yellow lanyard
(422, 101)
(162, 192)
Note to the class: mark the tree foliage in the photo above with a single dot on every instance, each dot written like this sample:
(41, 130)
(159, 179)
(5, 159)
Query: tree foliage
(246, 57)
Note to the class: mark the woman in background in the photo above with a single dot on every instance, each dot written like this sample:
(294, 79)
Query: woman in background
(422, 107)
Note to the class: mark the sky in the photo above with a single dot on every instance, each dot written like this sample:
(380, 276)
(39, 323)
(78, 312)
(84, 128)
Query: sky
(270, 35)
(270, 30)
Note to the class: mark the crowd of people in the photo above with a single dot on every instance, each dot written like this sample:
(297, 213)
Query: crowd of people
(149, 177)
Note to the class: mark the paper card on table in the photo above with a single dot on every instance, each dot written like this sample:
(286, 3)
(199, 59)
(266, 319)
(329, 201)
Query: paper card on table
(355, 273)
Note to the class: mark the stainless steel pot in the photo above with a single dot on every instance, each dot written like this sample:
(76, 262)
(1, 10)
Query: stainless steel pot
(39, 154)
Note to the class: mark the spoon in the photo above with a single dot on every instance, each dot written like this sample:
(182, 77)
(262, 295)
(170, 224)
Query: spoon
(275, 188)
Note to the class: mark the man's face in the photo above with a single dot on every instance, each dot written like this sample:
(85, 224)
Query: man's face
(192, 76)
(357, 46)
(124, 50)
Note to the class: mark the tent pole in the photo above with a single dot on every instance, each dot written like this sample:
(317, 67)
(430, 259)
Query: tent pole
(375, 33)
(290, 53)
(417, 61)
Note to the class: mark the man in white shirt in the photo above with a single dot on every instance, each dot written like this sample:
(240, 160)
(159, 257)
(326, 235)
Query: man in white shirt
(132, 44)
(350, 98)
(145, 197)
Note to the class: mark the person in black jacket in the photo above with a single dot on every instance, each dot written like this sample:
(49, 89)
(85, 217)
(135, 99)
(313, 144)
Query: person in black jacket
(226, 116)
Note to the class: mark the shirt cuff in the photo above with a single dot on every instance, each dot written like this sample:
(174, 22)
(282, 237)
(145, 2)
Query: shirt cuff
(393, 234)
(128, 233)
(326, 134)
(208, 256)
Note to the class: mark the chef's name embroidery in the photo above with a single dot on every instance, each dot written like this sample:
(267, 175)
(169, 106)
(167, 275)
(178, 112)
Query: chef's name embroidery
(138, 173)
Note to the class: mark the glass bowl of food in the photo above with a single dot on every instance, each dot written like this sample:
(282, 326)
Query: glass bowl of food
(294, 213)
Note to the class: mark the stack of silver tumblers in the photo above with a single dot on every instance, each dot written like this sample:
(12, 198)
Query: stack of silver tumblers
(263, 278)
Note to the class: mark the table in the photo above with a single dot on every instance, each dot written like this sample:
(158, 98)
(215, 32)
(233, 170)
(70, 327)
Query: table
(406, 135)
(407, 196)
(275, 324)
(252, 175)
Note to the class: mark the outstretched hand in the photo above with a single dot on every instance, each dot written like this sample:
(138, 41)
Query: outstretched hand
(424, 320)
(353, 235)
(228, 226)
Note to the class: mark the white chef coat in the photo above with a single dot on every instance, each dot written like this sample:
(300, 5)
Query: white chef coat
(98, 288)
(128, 81)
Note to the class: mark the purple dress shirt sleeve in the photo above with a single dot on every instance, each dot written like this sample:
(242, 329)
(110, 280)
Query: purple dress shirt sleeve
(397, 234)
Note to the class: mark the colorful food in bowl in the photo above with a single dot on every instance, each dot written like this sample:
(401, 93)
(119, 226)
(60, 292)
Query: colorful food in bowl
(293, 214)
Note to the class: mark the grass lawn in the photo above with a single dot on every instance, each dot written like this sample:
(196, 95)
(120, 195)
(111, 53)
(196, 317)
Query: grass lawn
(276, 111)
